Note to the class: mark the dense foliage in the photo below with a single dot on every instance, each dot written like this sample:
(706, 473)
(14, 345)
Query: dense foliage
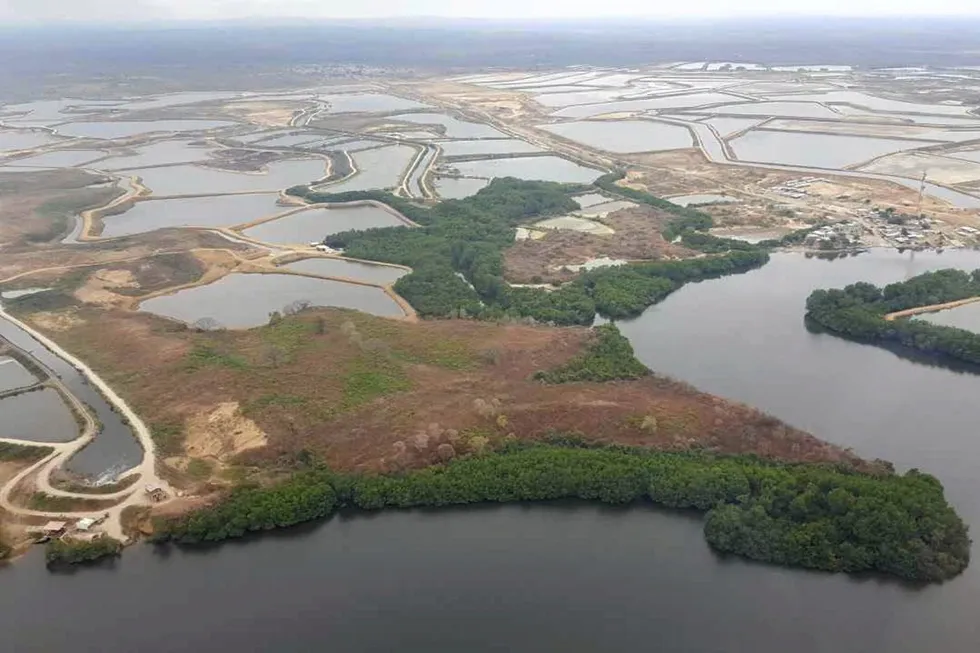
(304, 497)
(688, 219)
(74, 552)
(802, 515)
(11, 451)
(457, 255)
(609, 357)
(859, 310)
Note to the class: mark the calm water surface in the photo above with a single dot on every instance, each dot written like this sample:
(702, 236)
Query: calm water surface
(624, 135)
(962, 317)
(245, 300)
(314, 224)
(14, 375)
(335, 267)
(221, 211)
(578, 578)
(543, 168)
(198, 180)
(38, 416)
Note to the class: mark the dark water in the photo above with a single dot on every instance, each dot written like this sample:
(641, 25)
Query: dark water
(39, 416)
(571, 577)
(115, 448)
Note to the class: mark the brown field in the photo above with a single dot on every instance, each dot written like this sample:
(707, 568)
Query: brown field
(637, 237)
(365, 393)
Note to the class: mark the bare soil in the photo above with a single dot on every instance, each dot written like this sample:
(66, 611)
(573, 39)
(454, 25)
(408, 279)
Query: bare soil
(637, 237)
(375, 394)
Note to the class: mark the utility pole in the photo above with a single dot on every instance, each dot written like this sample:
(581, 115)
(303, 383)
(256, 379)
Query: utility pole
(922, 189)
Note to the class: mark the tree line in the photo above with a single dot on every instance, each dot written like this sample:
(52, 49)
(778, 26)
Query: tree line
(814, 516)
(457, 255)
(858, 311)
(609, 357)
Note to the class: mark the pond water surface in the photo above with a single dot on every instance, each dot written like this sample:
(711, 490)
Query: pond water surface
(110, 130)
(377, 169)
(543, 168)
(455, 128)
(221, 211)
(315, 224)
(456, 188)
(61, 158)
(14, 375)
(37, 416)
(487, 146)
(10, 140)
(240, 301)
(335, 267)
(198, 180)
(814, 150)
(624, 135)
(962, 317)
(158, 154)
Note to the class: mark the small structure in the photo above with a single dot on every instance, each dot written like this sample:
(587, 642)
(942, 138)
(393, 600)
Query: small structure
(85, 525)
(54, 528)
(156, 493)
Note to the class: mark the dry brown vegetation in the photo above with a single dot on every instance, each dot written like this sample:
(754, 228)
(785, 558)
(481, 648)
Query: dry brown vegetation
(37, 207)
(637, 237)
(367, 393)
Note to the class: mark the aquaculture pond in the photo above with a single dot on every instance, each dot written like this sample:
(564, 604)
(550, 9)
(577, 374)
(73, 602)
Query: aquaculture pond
(487, 146)
(199, 180)
(158, 154)
(454, 127)
(37, 416)
(219, 211)
(455, 188)
(683, 101)
(379, 168)
(60, 158)
(624, 135)
(543, 168)
(368, 102)
(336, 267)
(814, 150)
(20, 140)
(702, 199)
(240, 301)
(962, 317)
(14, 375)
(315, 224)
(122, 129)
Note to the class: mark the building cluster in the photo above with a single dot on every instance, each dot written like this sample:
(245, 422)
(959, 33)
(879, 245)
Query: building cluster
(796, 188)
(839, 235)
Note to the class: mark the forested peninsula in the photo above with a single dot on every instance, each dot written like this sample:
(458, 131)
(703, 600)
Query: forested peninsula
(812, 516)
(859, 311)
(457, 254)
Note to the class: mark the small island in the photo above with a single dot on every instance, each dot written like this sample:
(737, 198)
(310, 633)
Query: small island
(881, 315)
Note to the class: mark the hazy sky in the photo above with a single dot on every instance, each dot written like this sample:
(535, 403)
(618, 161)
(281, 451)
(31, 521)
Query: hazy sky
(101, 10)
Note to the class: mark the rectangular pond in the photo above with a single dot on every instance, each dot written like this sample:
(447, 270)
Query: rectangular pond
(814, 150)
(499, 146)
(624, 135)
(222, 211)
(37, 416)
(690, 100)
(335, 267)
(454, 127)
(158, 154)
(965, 317)
(377, 169)
(315, 224)
(122, 129)
(368, 102)
(578, 97)
(14, 140)
(61, 158)
(456, 188)
(198, 180)
(728, 126)
(14, 375)
(880, 104)
(701, 199)
(290, 140)
(542, 168)
(786, 109)
(590, 199)
(240, 301)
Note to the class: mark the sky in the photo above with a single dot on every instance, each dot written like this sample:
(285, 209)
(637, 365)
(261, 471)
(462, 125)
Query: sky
(125, 10)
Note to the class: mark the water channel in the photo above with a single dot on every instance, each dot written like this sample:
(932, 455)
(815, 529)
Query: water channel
(115, 447)
(572, 577)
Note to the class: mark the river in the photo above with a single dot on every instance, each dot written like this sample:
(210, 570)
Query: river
(575, 577)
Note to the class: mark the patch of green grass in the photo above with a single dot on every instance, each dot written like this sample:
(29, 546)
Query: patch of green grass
(289, 335)
(199, 469)
(445, 353)
(49, 503)
(168, 436)
(370, 377)
(22, 452)
(205, 355)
